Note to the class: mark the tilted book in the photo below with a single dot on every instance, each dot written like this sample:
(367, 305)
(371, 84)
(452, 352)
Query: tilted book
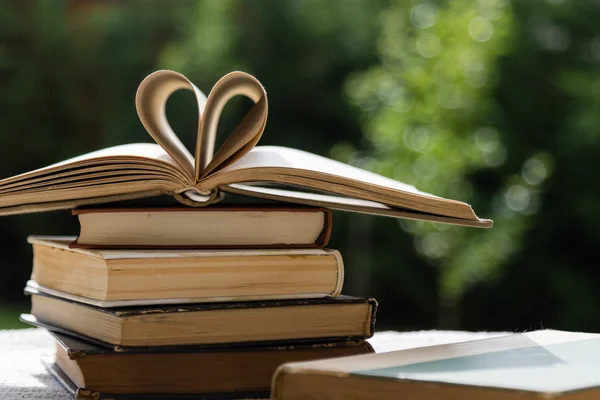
(238, 166)
(534, 365)
(92, 372)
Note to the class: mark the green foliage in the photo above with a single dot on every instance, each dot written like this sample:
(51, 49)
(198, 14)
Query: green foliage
(547, 103)
(68, 76)
(494, 103)
(302, 52)
(430, 120)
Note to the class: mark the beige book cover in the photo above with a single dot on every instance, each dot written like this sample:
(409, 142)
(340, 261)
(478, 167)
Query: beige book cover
(120, 277)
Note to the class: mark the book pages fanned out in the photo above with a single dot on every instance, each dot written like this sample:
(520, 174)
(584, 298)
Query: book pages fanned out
(239, 166)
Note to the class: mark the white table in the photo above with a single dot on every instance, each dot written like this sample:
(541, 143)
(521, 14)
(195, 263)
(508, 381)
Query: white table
(23, 376)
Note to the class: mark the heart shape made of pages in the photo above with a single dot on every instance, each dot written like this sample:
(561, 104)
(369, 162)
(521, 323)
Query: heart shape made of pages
(151, 99)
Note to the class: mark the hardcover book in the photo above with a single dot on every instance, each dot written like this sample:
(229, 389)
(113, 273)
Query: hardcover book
(92, 372)
(268, 172)
(110, 278)
(534, 365)
(211, 227)
(210, 324)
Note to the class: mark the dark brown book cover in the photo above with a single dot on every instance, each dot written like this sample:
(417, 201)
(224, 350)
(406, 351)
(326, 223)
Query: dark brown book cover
(78, 349)
(85, 394)
(321, 241)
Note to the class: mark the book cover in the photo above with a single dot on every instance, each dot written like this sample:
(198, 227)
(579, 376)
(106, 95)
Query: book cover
(543, 364)
(90, 371)
(343, 318)
(86, 394)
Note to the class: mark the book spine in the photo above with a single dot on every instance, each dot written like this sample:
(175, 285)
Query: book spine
(339, 281)
(371, 319)
(323, 238)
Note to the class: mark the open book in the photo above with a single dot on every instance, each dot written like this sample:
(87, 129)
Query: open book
(238, 166)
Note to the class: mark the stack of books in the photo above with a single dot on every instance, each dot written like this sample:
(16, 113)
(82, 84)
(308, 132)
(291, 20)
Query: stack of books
(180, 301)
(209, 301)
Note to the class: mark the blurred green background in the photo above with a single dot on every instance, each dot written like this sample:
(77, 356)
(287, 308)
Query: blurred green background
(493, 102)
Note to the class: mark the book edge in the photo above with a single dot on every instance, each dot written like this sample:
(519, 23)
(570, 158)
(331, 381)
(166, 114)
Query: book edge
(272, 345)
(290, 369)
(323, 238)
(32, 285)
(64, 243)
(215, 208)
(124, 312)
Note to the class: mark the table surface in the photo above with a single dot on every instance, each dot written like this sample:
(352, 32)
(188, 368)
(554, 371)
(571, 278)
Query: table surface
(23, 376)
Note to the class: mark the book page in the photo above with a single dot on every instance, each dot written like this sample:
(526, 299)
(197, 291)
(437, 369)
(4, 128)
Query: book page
(284, 157)
(347, 204)
(150, 151)
(89, 190)
(244, 137)
(287, 166)
(150, 101)
(152, 96)
(116, 173)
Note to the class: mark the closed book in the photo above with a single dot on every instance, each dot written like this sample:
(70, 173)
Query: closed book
(93, 372)
(212, 324)
(534, 365)
(184, 276)
(212, 228)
